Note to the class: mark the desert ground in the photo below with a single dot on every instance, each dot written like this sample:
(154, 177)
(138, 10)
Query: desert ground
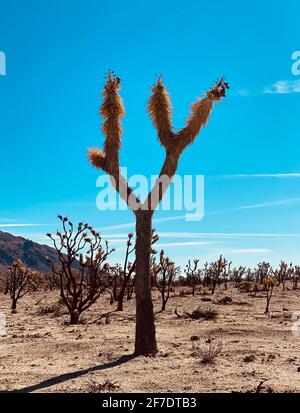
(42, 353)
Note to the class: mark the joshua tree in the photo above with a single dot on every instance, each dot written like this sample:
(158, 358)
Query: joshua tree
(237, 276)
(159, 108)
(164, 274)
(295, 277)
(283, 273)
(82, 266)
(263, 270)
(269, 283)
(129, 268)
(191, 273)
(226, 275)
(51, 280)
(20, 280)
(215, 270)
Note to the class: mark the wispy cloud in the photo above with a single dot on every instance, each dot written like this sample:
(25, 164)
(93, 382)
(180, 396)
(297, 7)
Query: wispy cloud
(122, 237)
(116, 240)
(183, 243)
(23, 225)
(276, 175)
(283, 87)
(247, 250)
(243, 92)
(221, 235)
(118, 226)
(132, 224)
(270, 204)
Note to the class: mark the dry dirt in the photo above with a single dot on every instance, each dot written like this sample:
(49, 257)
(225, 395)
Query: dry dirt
(41, 353)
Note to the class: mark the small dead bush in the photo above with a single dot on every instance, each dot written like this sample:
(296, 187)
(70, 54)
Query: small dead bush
(223, 300)
(46, 309)
(207, 351)
(207, 313)
(249, 359)
(55, 309)
(206, 299)
(105, 387)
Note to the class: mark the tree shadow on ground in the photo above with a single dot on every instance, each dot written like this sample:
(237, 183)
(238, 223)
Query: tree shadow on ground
(73, 375)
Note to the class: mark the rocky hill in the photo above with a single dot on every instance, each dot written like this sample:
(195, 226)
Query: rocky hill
(34, 255)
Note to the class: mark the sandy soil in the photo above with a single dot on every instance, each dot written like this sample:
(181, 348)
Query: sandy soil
(42, 353)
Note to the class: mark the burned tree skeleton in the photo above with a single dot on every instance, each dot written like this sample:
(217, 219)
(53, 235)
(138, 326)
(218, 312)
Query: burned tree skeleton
(83, 267)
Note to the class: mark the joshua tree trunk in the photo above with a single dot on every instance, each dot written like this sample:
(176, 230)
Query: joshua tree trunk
(145, 342)
(74, 317)
(14, 304)
(121, 297)
(122, 293)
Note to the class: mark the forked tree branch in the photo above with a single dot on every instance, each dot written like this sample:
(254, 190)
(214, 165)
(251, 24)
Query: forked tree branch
(160, 111)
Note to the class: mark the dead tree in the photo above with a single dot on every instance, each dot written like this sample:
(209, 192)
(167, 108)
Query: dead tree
(128, 270)
(159, 108)
(295, 277)
(51, 281)
(164, 274)
(263, 270)
(283, 273)
(237, 276)
(269, 284)
(20, 280)
(82, 266)
(116, 274)
(226, 275)
(191, 274)
(215, 271)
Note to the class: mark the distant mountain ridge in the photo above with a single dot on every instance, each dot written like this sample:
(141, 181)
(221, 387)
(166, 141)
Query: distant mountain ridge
(35, 256)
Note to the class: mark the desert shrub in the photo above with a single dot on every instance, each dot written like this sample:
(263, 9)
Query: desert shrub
(46, 309)
(223, 300)
(206, 299)
(55, 309)
(207, 351)
(105, 387)
(207, 313)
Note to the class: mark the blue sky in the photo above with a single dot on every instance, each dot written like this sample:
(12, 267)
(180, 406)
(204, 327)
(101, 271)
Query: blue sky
(57, 54)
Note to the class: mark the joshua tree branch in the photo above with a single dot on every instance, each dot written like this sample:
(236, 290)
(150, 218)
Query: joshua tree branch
(160, 111)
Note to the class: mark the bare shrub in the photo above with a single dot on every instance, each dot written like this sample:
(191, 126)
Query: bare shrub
(207, 351)
(55, 309)
(164, 274)
(207, 313)
(105, 387)
(222, 300)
